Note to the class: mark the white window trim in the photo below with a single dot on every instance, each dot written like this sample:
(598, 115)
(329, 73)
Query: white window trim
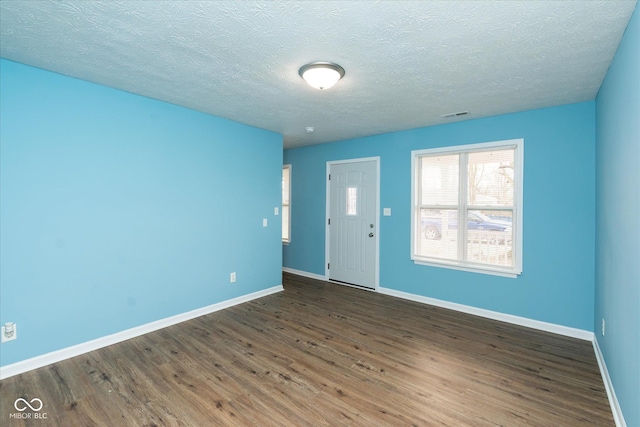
(287, 241)
(517, 209)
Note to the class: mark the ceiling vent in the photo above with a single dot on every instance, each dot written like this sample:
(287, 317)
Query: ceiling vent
(450, 115)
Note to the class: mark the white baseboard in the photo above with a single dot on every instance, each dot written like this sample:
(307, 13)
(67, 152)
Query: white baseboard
(77, 350)
(608, 385)
(303, 273)
(495, 315)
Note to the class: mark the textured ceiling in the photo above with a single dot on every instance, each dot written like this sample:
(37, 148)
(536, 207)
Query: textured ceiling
(407, 63)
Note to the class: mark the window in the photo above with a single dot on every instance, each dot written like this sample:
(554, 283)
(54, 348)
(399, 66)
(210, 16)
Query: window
(286, 203)
(352, 201)
(467, 207)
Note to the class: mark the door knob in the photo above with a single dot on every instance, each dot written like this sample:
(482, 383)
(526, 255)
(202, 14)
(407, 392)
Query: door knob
(370, 234)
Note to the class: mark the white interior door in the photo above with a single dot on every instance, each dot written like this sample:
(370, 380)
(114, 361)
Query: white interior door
(353, 222)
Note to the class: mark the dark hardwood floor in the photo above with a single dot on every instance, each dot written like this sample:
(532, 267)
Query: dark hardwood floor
(321, 354)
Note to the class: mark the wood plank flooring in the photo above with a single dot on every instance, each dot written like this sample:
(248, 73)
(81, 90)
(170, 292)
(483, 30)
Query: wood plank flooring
(320, 354)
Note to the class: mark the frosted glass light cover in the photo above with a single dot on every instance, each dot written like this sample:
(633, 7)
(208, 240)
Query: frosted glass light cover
(321, 78)
(322, 75)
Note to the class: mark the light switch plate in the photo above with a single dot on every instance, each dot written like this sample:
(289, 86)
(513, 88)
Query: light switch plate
(276, 211)
(386, 212)
(264, 222)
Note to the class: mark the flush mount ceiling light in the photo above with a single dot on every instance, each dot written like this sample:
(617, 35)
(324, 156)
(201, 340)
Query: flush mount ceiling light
(321, 75)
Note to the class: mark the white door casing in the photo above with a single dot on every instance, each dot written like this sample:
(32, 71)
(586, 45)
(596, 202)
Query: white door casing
(352, 222)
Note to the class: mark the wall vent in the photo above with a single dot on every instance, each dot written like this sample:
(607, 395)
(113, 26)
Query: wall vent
(450, 115)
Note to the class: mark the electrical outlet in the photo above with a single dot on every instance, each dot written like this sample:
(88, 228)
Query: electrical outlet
(232, 277)
(264, 222)
(602, 327)
(276, 211)
(9, 331)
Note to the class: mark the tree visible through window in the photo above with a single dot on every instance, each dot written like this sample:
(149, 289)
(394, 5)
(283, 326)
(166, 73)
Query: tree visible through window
(467, 207)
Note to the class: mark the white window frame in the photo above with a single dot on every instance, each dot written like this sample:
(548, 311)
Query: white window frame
(416, 228)
(288, 225)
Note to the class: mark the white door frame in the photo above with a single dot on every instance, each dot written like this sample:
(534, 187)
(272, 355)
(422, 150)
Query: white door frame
(327, 239)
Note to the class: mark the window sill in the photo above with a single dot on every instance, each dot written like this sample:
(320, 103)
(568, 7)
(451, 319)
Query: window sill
(513, 274)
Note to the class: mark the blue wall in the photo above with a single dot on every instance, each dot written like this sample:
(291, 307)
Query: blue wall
(118, 210)
(557, 283)
(618, 221)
